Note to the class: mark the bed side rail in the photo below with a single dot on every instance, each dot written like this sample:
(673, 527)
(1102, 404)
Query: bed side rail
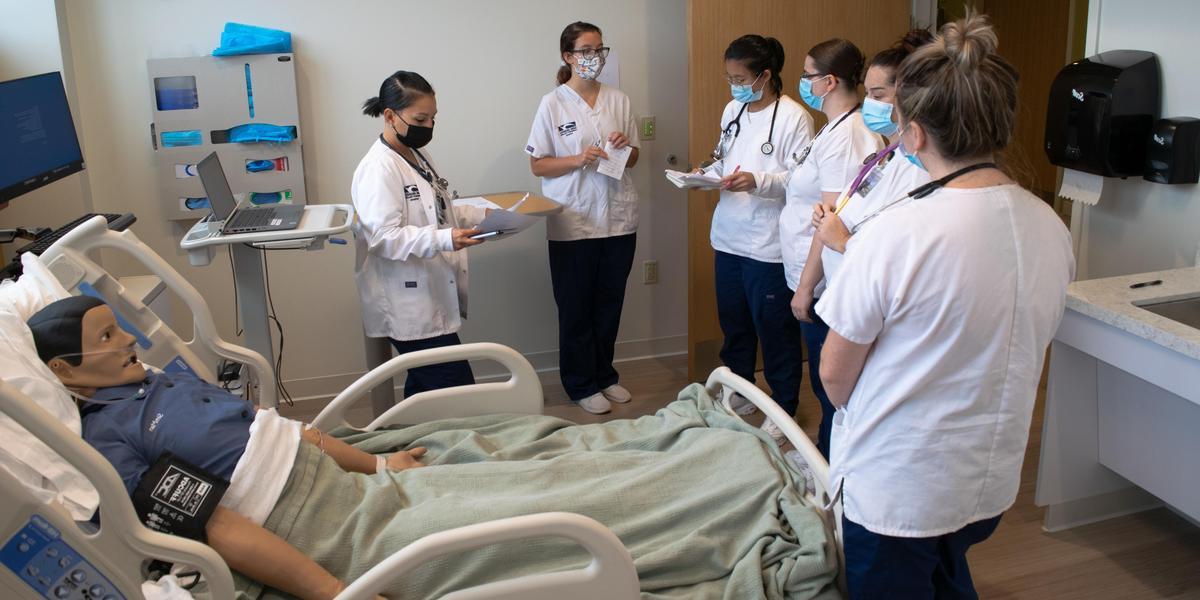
(67, 259)
(610, 575)
(122, 544)
(722, 377)
(521, 393)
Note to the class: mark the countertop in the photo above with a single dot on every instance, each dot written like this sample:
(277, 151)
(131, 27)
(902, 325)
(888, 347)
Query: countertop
(1110, 300)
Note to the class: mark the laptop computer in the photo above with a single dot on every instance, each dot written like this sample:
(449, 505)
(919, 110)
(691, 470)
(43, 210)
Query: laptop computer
(237, 218)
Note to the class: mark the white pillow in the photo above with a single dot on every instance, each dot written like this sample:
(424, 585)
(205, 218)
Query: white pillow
(46, 474)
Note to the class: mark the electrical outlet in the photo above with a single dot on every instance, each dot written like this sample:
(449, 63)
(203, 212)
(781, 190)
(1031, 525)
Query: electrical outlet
(647, 127)
(650, 272)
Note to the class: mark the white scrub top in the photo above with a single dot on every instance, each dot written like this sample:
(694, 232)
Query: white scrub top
(411, 281)
(594, 205)
(747, 224)
(836, 155)
(959, 294)
(893, 181)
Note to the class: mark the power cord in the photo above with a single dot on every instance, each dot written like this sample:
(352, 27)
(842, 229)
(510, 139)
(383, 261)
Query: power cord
(283, 391)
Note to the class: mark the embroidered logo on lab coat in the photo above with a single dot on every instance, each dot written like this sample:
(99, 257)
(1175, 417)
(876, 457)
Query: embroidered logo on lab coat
(412, 192)
(566, 129)
(529, 149)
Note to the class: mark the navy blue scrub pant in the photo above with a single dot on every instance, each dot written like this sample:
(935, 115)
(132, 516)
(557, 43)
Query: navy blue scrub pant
(814, 339)
(754, 305)
(434, 377)
(882, 566)
(589, 278)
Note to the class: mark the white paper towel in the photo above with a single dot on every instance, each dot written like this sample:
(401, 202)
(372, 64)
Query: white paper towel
(1081, 187)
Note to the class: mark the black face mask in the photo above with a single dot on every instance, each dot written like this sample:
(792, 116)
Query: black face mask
(417, 136)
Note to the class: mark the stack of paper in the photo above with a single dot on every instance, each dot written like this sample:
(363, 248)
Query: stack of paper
(698, 181)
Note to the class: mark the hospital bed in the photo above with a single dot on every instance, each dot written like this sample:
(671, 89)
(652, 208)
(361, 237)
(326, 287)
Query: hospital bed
(44, 553)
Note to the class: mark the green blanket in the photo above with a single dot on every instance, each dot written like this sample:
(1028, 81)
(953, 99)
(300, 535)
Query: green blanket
(704, 505)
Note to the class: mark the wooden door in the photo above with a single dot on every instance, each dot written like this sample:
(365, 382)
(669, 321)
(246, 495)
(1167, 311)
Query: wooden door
(712, 24)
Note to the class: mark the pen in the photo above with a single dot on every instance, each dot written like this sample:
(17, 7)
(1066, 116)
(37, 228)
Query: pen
(1145, 284)
(514, 207)
(736, 169)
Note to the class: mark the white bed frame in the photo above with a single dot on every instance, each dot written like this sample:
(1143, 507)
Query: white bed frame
(122, 546)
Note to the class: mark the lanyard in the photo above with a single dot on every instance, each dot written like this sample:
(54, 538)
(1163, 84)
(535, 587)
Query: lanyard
(925, 190)
(868, 165)
(807, 149)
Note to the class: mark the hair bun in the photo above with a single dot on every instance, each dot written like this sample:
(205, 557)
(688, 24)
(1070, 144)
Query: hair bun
(915, 39)
(970, 41)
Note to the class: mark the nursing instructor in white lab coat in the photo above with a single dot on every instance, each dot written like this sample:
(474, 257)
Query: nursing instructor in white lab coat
(939, 320)
(592, 241)
(409, 238)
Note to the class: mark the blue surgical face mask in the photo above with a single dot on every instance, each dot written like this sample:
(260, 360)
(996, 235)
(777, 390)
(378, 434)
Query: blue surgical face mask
(878, 116)
(745, 93)
(912, 158)
(806, 94)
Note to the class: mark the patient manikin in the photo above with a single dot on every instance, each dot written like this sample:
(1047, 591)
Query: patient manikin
(704, 503)
(133, 416)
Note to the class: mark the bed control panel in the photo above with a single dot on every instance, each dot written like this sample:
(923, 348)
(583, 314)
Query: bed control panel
(39, 556)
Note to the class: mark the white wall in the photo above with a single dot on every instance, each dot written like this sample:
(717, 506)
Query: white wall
(29, 45)
(1140, 226)
(489, 62)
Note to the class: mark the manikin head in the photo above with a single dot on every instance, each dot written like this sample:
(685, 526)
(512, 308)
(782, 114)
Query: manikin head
(81, 342)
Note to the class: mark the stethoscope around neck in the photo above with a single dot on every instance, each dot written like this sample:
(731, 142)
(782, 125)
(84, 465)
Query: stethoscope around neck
(427, 172)
(734, 129)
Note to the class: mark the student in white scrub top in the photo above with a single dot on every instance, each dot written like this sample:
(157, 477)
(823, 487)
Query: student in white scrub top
(592, 242)
(881, 179)
(832, 72)
(940, 317)
(410, 262)
(760, 129)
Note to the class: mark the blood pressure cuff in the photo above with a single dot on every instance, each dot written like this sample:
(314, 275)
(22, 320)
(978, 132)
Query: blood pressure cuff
(177, 497)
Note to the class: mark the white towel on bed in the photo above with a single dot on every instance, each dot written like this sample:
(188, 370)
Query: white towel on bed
(262, 471)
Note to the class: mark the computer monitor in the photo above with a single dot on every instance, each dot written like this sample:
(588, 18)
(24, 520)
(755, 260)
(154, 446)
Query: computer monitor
(38, 144)
(216, 187)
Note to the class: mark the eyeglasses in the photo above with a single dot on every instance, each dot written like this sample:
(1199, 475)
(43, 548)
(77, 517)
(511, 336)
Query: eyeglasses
(812, 75)
(590, 53)
(739, 80)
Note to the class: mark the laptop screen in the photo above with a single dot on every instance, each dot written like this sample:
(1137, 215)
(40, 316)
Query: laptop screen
(216, 187)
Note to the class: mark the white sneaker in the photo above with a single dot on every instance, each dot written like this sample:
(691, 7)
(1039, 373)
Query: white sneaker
(740, 405)
(773, 430)
(616, 393)
(596, 404)
(810, 482)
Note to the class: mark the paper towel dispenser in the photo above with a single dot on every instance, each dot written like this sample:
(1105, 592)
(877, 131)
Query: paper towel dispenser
(1101, 113)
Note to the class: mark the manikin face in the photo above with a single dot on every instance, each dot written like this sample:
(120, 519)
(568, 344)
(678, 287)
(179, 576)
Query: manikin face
(108, 357)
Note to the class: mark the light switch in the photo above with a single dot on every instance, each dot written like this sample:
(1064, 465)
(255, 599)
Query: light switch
(647, 127)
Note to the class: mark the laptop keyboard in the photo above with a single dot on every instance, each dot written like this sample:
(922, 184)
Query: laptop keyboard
(257, 217)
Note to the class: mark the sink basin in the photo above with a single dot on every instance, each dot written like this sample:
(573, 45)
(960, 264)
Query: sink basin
(1183, 310)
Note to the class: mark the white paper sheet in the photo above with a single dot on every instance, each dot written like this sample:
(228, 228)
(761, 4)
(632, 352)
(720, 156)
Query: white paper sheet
(693, 180)
(479, 201)
(614, 165)
(1081, 187)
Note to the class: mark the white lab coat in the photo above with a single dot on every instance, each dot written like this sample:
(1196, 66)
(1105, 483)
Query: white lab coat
(594, 205)
(411, 281)
(959, 293)
(837, 153)
(744, 223)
